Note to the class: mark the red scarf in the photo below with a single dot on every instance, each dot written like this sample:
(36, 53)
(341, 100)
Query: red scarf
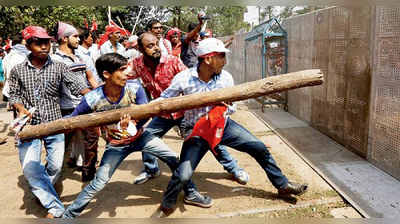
(211, 127)
(169, 50)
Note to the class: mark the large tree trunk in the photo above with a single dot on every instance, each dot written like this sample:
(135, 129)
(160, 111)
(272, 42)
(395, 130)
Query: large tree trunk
(240, 92)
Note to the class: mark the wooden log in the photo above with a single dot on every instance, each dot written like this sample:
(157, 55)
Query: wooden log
(236, 93)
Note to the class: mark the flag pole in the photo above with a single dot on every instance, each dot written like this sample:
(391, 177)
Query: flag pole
(137, 19)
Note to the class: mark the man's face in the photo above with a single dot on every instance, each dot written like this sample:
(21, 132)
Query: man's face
(89, 40)
(218, 62)
(115, 36)
(174, 38)
(151, 48)
(119, 77)
(73, 41)
(157, 29)
(40, 48)
(124, 43)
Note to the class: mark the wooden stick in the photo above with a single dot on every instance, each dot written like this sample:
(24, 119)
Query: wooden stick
(236, 93)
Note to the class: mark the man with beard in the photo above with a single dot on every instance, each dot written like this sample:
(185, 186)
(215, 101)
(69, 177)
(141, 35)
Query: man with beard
(157, 71)
(208, 76)
(68, 39)
(155, 27)
(27, 91)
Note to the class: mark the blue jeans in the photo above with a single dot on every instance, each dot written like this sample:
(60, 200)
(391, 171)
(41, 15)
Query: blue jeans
(159, 126)
(41, 178)
(112, 158)
(234, 136)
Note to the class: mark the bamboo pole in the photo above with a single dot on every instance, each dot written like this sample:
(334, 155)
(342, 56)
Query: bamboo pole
(236, 93)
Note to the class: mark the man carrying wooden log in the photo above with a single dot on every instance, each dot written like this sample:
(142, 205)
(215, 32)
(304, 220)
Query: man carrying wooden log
(210, 126)
(125, 137)
(157, 72)
(36, 83)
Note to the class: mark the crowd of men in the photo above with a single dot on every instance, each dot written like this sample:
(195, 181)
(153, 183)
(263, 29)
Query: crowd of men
(76, 72)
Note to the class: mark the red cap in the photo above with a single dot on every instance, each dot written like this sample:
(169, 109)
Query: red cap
(7, 47)
(35, 31)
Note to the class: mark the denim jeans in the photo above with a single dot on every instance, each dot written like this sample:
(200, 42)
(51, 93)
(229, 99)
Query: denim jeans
(112, 158)
(234, 136)
(159, 126)
(41, 178)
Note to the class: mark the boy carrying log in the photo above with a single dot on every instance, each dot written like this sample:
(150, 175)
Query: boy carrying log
(125, 137)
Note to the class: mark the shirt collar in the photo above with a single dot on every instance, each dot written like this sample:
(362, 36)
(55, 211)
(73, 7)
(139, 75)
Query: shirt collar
(29, 63)
(62, 54)
(84, 50)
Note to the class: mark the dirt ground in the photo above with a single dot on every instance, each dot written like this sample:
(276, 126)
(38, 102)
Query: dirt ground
(122, 199)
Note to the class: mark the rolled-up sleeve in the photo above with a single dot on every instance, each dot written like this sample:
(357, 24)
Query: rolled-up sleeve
(73, 84)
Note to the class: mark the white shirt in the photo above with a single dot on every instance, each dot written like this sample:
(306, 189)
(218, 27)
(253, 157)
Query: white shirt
(107, 47)
(9, 61)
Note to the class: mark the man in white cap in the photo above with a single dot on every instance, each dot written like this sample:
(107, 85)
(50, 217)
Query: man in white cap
(208, 76)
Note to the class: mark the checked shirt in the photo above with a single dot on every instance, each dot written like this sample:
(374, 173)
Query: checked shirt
(40, 88)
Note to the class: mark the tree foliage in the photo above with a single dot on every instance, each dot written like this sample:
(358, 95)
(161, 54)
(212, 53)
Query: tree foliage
(225, 19)
(284, 12)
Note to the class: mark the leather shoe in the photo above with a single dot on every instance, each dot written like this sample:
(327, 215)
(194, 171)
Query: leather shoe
(292, 188)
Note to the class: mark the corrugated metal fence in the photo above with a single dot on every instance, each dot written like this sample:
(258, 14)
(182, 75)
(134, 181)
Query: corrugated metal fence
(358, 49)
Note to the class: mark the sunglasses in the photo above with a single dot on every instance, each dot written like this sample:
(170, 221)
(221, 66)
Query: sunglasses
(157, 27)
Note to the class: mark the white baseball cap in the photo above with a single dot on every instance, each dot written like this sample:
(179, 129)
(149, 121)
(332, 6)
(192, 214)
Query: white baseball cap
(210, 45)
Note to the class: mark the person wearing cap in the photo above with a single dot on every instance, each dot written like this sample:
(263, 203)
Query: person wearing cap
(123, 138)
(109, 42)
(155, 27)
(68, 40)
(7, 48)
(204, 35)
(28, 92)
(157, 71)
(207, 76)
(174, 36)
(131, 51)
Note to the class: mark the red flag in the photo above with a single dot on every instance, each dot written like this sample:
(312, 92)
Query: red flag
(94, 25)
(86, 25)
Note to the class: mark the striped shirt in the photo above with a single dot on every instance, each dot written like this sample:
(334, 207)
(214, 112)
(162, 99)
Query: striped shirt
(188, 82)
(41, 88)
(78, 67)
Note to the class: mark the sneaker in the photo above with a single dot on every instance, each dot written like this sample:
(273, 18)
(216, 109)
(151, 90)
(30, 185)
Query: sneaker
(144, 177)
(293, 189)
(195, 198)
(241, 176)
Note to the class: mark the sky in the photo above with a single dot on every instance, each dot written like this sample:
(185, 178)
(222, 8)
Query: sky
(251, 15)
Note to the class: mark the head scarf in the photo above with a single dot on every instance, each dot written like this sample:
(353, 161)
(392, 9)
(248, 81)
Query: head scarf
(65, 30)
(109, 29)
(173, 31)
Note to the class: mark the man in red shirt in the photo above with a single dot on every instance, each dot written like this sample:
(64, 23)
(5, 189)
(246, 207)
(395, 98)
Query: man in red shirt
(157, 71)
